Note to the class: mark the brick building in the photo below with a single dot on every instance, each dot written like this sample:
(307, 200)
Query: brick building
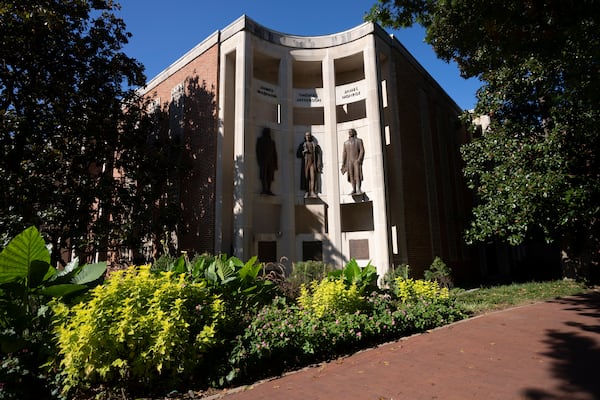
(223, 93)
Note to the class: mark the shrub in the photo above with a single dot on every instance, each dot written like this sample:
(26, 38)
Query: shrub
(239, 283)
(439, 272)
(303, 273)
(424, 315)
(243, 285)
(412, 291)
(364, 278)
(329, 296)
(425, 305)
(139, 330)
(283, 336)
(163, 263)
(389, 279)
(268, 344)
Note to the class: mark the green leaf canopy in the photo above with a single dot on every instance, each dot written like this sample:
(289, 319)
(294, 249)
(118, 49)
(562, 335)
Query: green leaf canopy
(535, 169)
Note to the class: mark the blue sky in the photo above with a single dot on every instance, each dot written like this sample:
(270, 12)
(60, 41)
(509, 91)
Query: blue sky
(163, 31)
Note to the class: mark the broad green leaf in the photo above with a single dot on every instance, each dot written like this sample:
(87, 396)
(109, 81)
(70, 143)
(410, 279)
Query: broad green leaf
(38, 270)
(369, 276)
(17, 256)
(236, 262)
(335, 274)
(225, 268)
(71, 266)
(179, 267)
(227, 280)
(198, 267)
(250, 289)
(211, 272)
(352, 271)
(62, 290)
(89, 273)
(250, 270)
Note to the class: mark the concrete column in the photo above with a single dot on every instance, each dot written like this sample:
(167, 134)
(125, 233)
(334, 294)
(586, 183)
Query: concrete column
(396, 198)
(381, 257)
(242, 215)
(287, 240)
(334, 214)
(219, 184)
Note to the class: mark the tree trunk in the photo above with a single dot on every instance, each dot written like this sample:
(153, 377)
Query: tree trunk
(580, 257)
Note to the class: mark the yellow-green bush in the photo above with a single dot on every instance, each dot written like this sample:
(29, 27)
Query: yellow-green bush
(410, 290)
(138, 329)
(329, 296)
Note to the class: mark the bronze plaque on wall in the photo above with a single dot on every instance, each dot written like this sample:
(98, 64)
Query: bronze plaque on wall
(359, 249)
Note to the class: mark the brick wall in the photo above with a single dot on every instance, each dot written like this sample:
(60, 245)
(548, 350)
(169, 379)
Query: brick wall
(197, 187)
(429, 138)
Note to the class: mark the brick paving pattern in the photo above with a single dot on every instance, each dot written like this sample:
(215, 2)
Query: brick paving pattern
(543, 351)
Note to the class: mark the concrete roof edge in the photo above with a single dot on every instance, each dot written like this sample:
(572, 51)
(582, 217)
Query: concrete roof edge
(395, 42)
(288, 40)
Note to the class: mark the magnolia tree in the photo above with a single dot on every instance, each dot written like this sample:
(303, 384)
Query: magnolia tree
(535, 169)
(69, 119)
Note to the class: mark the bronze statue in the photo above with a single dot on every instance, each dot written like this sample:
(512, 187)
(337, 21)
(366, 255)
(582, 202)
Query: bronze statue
(266, 155)
(352, 159)
(312, 164)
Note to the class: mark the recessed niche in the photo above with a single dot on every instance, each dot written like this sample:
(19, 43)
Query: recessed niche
(307, 74)
(351, 111)
(266, 68)
(349, 69)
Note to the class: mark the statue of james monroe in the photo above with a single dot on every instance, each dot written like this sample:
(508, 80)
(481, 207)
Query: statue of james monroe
(352, 159)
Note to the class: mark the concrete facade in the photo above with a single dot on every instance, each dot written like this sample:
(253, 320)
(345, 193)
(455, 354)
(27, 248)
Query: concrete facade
(246, 77)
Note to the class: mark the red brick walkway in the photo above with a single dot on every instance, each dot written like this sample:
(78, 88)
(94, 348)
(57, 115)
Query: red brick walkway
(546, 351)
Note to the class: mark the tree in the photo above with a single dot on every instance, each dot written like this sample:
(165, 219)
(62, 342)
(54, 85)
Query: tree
(535, 169)
(66, 109)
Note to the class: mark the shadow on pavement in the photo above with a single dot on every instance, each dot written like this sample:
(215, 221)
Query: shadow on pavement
(575, 352)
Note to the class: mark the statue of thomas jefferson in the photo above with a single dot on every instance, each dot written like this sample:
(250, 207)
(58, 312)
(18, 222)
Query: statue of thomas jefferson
(312, 165)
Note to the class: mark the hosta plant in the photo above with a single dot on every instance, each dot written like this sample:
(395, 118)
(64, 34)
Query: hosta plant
(365, 278)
